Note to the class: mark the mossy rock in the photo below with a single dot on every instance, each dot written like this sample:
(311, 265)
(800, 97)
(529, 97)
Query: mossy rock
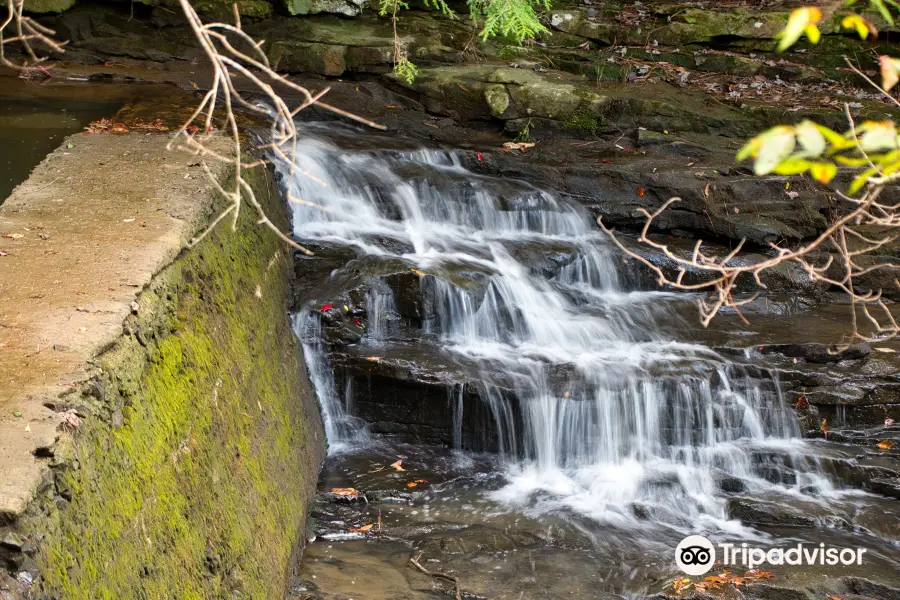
(192, 475)
(349, 8)
(302, 57)
(46, 6)
(221, 10)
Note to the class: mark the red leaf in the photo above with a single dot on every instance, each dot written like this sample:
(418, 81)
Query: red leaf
(801, 402)
(357, 321)
(326, 307)
(478, 156)
(641, 192)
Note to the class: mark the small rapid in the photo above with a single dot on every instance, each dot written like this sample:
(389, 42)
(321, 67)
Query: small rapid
(601, 410)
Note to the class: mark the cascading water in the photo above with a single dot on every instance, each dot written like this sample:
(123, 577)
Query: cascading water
(615, 416)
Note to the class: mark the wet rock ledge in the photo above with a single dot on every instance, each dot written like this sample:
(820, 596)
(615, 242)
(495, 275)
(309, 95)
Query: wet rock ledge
(158, 436)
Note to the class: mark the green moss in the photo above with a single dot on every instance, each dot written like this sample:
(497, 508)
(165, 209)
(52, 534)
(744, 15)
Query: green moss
(200, 491)
(582, 122)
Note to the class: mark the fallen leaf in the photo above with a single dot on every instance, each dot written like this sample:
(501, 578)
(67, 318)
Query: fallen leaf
(413, 484)
(478, 156)
(17, 413)
(824, 427)
(706, 191)
(830, 597)
(326, 307)
(82, 329)
(566, 395)
(13, 236)
(4, 253)
(378, 470)
(521, 146)
(28, 427)
(128, 220)
(888, 422)
(418, 272)
(373, 358)
(640, 192)
(397, 466)
(886, 350)
(801, 402)
(362, 529)
(465, 89)
(345, 492)
(885, 444)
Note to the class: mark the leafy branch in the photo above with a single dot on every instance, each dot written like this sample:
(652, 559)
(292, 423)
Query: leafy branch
(844, 253)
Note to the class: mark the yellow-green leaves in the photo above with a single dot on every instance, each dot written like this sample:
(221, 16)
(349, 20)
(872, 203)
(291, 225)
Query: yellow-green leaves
(787, 150)
(890, 71)
(862, 27)
(877, 136)
(802, 21)
(811, 148)
(810, 138)
(769, 148)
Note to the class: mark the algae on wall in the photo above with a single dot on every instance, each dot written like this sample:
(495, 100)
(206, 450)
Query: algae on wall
(190, 479)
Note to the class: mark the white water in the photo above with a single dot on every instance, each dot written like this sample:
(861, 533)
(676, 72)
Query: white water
(638, 423)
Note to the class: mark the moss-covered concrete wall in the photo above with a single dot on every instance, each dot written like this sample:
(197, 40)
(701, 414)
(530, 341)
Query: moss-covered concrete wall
(189, 475)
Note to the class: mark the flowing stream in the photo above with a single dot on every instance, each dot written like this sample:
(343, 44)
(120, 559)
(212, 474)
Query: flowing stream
(602, 410)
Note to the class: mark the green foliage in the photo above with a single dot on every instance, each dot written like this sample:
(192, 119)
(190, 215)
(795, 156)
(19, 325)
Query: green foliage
(525, 133)
(809, 147)
(515, 19)
(406, 69)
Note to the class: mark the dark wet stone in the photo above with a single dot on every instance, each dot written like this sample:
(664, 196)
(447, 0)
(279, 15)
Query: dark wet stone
(759, 514)
(764, 591)
(870, 589)
(819, 353)
(732, 485)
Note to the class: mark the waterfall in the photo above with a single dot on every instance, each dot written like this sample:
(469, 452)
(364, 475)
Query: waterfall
(617, 418)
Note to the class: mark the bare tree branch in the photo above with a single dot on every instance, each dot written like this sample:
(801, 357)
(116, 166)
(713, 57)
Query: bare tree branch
(234, 55)
(28, 33)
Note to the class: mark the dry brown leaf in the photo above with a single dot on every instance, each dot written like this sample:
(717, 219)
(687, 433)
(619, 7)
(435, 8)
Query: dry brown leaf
(418, 272)
(885, 444)
(345, 492)
(378, 470)
(522, 146)
(397, 466)
(362, 529)
(13, 236)
(413, 484)
(373, 358)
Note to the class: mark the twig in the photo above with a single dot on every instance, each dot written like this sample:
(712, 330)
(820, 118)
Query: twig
(436, 575)
(221, 42)
(28, 32)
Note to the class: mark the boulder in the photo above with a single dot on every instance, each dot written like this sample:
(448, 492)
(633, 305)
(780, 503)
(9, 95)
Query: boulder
(349, 8)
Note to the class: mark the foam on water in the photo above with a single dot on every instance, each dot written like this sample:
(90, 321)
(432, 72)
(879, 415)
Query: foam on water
(637, 423)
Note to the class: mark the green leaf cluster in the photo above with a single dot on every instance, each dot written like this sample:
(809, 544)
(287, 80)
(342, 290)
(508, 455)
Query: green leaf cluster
(874, 147)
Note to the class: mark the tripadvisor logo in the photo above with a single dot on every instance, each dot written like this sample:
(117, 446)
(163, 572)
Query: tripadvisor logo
(696, 555)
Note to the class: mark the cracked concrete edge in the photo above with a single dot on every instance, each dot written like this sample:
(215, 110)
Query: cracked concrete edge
(96, 220)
